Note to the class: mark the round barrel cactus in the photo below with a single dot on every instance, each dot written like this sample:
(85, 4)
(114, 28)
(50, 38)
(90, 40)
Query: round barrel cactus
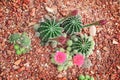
(72, 24)
(49, 29)
(84, 44)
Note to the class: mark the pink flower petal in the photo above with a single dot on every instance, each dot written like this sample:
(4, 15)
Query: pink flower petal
(78, 59)
(60, 57)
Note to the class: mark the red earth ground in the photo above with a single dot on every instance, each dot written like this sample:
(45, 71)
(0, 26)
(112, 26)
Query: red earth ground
(21, 15)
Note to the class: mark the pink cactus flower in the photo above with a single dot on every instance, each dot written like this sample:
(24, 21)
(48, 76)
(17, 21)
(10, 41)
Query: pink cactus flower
(74, 12)
(62, 40)
(60, 57)
(78, 60)
(102, 22)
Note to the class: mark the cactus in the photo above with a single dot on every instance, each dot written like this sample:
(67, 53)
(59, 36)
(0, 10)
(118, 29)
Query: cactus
(25, 40)
(49, 29)
(68, 48)
(60, 67)
(85, 77)
(81, 77)
(72, 24)
(22, 42)
(84, 45)
(54, 44)
(16, 46)
(69, 42)
(14, 37)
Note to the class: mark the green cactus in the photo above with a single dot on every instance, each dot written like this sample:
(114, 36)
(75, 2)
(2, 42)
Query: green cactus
(85, 77)
(14, 37)
(49, 29)
(84, 45)
(16, 46)
(25, 40)
(69, 42)
(60, 67)
(81, 77)
(18, 52)
(22, 43)
(72, 24)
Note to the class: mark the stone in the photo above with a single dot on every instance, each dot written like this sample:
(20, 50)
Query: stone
(17, 62)
(92, 30)
(87, 63)
(115, 42)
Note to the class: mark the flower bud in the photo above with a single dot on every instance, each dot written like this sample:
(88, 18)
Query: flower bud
(74, 12)
(102, 22)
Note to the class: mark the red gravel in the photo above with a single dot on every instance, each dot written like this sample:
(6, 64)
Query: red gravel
(20, 15)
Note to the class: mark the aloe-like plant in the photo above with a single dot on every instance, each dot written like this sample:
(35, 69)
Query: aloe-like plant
(84, 44)
(49, 29)
(72, 24)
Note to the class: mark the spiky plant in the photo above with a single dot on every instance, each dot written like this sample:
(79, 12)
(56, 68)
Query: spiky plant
(85, 77)
(22, 42)
(72, 24)
(14, 37)
(25, 40)
(49, 29)
(84, 44)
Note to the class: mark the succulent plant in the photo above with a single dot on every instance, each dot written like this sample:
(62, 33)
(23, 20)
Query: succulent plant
(85, 77)
(65, 66)
(61, 60)
(22, 42)
(49, 29)
(25, 40)
(72, 24)
(14, 37)
(68, 48)
(84, 44)
(16, 46)
(69, 42)
(54, 43)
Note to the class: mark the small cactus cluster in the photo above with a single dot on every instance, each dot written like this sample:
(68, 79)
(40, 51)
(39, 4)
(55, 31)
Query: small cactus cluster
(62, 35)
(22, 42)
(62, 61)
(85, 77)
